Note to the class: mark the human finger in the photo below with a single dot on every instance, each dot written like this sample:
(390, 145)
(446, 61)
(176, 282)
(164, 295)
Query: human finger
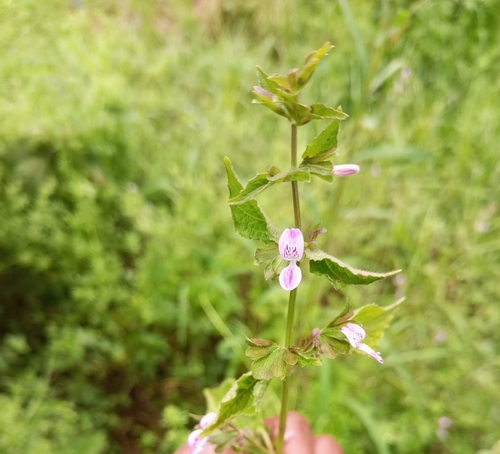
(298, 433)
(326, 444)
(209, 449)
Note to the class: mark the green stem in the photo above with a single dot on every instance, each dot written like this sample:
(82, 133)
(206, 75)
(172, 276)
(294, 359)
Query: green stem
(291, 301)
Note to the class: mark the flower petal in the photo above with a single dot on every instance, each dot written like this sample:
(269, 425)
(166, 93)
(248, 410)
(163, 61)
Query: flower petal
(375, 355)
(208, 419)
(194, 438)
(290, 277)
(200, 446)
(354, 333)
(344, 170)
(195, 442)
(291, 244)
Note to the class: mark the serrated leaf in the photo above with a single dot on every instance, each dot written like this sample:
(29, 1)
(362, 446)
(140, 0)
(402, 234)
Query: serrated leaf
(326, 349)
(270, 257)
(264, 181)
(344, 316)
(266, 254)
(324, 145)
(254, 186)
(331, 345)
(375, 319)
(299, 112)
(290, 358)
(308, 360)
(274, 267)
(311, 63)
(249, 220)
(243, 398)
(223, 439)
(256, 353)
(214, 396)
(265, 81)
(269, 103)
(321, 169)
(280, 80)
(257, 342)
(275, 363)
(294, 174)
(338, 272)
(292, 79)
(322, 112)
(277, 85)
(261, 368)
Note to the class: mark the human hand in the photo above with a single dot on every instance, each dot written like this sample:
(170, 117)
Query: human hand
(299, 438)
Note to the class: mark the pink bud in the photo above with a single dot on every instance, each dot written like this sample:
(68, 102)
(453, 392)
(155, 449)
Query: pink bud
(344, 170)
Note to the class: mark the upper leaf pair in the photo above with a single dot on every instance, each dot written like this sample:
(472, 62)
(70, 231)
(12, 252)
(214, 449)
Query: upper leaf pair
(280, 93)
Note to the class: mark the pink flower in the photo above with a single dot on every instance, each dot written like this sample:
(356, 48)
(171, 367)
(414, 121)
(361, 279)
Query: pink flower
(196, 443)
(291, 247)
(355, 334)
(208, 419)
(344, 170)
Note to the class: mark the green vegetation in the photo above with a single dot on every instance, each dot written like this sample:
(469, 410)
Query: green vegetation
(124, 290)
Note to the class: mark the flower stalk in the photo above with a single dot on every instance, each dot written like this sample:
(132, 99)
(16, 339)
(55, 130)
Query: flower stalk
(292, 298)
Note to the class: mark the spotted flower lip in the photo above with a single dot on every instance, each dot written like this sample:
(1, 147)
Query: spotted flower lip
(291, 247)
(344, 170)
(355, 334)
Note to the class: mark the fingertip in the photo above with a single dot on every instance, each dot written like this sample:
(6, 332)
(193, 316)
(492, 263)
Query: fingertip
(326, 444)
(183, 450)
(295, 420)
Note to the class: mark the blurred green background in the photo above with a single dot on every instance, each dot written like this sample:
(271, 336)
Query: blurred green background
(124, 290)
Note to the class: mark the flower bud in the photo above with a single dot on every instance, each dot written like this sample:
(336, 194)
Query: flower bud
(344, 170)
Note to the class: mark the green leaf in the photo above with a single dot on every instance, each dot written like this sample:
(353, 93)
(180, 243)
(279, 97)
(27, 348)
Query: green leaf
(257, 342)
(265, 81)
(292, 79)
(254, 186)
(322, 112)
(332, 342)
(264, 181)
(324, 145)
(249, 220)
(269, 103)
(256, 353)
(259, 348)
(277, 85)
(311, 63)
(275, 363)
(343, 317)
(214, 396)
(308, 359)
(270, 257)
(266, 254)
(321, 169)
(338, 272)
(243, 398)
(375, 319)
(299, 112)
(274, 267)
(223, 439)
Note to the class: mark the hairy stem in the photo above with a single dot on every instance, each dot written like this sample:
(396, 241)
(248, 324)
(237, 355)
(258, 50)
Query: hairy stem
(291, 300)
